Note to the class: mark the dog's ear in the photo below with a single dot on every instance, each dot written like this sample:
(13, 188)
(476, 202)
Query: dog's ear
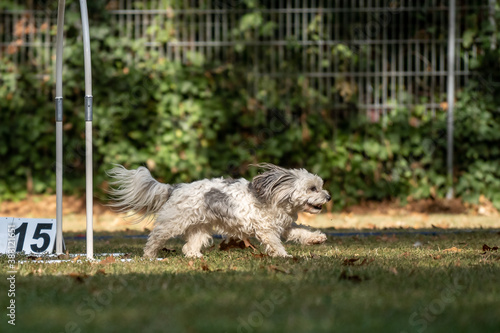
(274, 186)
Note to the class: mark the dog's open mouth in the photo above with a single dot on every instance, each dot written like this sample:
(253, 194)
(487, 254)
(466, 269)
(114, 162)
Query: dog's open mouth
(313, 208)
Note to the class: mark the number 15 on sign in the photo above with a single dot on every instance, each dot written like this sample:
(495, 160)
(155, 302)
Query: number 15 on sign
(31, 235)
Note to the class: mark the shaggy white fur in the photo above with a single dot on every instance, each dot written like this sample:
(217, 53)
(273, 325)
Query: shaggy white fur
(265, 208)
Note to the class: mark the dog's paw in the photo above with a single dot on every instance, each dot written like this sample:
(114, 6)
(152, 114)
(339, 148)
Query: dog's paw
(316, 238)
(281, 255)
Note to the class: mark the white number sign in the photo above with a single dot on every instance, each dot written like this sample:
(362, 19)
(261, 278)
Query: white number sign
(27, 235)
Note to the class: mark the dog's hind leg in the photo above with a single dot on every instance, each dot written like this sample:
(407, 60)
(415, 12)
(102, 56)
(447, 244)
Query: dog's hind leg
(157, 238)
(155, 241)
(197, 238)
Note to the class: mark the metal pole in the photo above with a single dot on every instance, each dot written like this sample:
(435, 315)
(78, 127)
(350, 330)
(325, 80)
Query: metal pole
(451, 94)
(88, 129)
(59, 125)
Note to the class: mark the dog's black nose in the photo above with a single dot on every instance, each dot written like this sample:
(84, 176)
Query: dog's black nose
(328, 198)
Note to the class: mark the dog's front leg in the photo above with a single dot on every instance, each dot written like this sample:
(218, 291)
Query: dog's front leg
(304, 236)
(273, 244)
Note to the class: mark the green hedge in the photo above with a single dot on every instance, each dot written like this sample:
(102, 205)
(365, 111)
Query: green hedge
(198, 120)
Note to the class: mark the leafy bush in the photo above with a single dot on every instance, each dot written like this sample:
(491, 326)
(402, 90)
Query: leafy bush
(196, 120)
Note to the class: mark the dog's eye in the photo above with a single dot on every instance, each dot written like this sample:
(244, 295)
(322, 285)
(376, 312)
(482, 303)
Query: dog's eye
(314, 189)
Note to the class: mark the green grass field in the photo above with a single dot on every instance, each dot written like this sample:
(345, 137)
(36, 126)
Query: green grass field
(402, 283)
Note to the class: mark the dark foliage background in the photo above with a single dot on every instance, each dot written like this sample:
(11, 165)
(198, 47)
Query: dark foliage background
(194, 120)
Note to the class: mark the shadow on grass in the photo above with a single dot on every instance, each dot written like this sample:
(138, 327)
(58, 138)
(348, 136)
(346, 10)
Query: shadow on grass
(446, 283)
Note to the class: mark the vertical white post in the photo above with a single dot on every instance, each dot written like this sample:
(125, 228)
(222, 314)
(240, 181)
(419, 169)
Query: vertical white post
(88, 129)
(89, 189)
(451, 94)
(59, 125)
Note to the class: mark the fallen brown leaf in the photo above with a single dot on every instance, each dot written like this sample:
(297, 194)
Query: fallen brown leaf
(366, 261)
(277, 269)
(101, 271)
(487, 248)
(75, 259)
(231, 244)
(63, 256)
(78, 277)
(248, 244)
(436, 257)
(349, 262)
(453, 249)
(259, 255)
(108, 260)
(386, 238)
(190, 263)
(74, 274)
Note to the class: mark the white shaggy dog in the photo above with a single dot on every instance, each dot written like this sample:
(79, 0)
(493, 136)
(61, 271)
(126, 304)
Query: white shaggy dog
(265, 208)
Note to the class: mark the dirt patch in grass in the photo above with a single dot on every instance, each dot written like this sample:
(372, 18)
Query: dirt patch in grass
(45, 206)
(427, 206)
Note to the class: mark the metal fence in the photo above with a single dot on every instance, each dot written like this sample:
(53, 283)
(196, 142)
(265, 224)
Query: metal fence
(374, 54)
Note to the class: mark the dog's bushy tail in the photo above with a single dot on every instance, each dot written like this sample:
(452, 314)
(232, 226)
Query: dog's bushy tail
(137, 193)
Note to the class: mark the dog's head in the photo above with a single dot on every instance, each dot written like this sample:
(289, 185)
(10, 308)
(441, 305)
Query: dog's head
(296, 187)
